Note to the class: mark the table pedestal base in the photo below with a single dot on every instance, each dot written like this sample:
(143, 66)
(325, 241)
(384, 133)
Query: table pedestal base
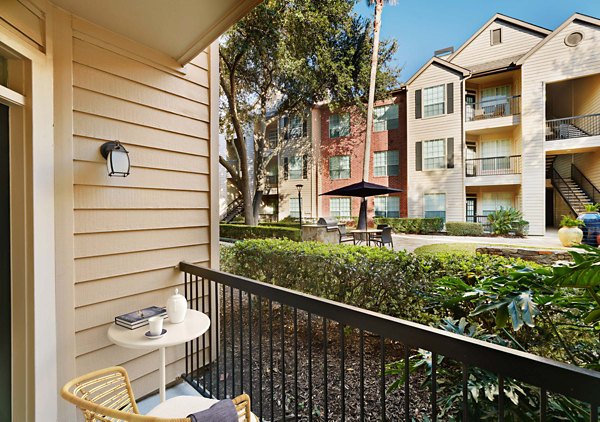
(161, 375)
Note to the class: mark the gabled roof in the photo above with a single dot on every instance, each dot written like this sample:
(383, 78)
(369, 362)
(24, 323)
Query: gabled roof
(441, 62)
(498, 16)
(574, 17)
(494, 65)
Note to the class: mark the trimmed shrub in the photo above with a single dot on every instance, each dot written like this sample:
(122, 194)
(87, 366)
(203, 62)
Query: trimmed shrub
(281, 224)
(240, 231)
(412, 225)
(378, 279)
(464, 229)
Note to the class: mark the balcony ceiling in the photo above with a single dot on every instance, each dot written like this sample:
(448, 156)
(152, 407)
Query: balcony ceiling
(179, 28)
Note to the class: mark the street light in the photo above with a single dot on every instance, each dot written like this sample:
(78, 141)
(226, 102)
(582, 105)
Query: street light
(299, 187)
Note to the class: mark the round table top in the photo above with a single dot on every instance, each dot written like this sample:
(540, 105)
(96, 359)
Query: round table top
(194, 325)
(366, 231)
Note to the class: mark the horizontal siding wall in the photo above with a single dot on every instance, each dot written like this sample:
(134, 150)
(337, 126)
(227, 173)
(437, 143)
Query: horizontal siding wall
(553, 62)
(448, 181)
(130, 233)
(515, 41)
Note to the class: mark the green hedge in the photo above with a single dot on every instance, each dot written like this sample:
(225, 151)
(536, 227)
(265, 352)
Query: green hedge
(464, 229)
(412, 225)
(282, 224)
(377, 279)
(240, 231)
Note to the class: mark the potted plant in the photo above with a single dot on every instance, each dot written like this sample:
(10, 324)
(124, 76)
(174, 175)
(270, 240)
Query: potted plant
(591, 219)
(569, 233)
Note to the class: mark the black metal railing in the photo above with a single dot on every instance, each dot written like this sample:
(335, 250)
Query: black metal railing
(490, 109)
(493, 166)
(234, 208)
(271, 181)
(573, 127)
(571, 197)
(585, 184)
(303, 358)
(481, 219)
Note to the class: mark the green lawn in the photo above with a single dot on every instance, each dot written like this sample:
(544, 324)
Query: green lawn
(466, 248)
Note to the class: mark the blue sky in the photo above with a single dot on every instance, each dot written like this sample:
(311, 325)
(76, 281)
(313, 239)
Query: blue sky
(423, 26)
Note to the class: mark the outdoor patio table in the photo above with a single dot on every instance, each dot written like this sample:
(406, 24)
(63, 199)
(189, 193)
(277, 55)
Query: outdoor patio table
(369, 232)
(195, 324)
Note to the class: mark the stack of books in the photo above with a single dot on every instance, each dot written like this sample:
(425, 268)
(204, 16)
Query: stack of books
(137, 319)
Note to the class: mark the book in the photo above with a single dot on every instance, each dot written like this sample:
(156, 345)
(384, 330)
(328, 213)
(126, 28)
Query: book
(139, 318)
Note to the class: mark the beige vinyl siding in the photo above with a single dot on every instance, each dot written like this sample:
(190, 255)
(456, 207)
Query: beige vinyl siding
(129, 233)
(515, 41)
(554, 61)
(26, 19)
(586, 91)
(448, 181)
(589, 165)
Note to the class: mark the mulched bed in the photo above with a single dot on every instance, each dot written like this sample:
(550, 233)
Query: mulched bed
(252, 346)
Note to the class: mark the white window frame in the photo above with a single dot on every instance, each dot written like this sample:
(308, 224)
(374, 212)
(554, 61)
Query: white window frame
(336, 211)
(425, 211)
(386, 166)
(497, 198)
(425, 158)
(295, 159)
(294, 207)
(381, 118)
(336, 128)
(492, 36)
(382, 206)
(442, 102)
(338, 159)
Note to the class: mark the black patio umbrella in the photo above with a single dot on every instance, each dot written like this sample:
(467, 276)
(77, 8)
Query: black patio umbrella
(362, 190)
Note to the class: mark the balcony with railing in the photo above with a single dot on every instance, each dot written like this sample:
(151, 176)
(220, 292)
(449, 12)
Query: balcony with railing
(496, 112)
(303, 358)
(506, 169)
(573, 127)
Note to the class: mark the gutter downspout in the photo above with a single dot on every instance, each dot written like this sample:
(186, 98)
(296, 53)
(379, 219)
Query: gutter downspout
(464, 143)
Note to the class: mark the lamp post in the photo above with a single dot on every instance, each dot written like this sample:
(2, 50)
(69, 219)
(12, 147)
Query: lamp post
(299, 188)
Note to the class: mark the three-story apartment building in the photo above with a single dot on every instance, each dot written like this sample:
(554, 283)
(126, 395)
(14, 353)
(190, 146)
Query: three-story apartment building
(507, 120)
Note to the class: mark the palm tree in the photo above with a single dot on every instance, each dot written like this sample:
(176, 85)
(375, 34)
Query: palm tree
(374, 59)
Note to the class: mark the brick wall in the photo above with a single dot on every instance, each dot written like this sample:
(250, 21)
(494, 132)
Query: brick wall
(353, 145)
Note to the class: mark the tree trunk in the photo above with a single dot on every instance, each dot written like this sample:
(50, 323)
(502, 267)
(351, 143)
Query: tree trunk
(374, 60)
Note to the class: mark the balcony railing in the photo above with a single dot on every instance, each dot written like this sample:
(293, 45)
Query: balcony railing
(490, 109)
(303, 358)
(573, 127)
(493, 166)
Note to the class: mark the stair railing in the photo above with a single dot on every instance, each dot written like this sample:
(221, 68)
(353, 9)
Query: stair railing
(559, 183)
(585, 184)
(232, 207)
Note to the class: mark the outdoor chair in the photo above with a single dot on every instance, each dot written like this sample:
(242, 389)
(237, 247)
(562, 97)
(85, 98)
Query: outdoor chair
(344, 236)
(106, 395)
(385, 238)
(382, 226)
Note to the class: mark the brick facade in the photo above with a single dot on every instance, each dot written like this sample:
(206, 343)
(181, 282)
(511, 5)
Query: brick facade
(353, 145)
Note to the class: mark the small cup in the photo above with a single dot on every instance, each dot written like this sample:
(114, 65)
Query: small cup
(156, 325)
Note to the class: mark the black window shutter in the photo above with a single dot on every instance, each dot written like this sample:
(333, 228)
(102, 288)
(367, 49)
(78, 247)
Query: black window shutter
(286, 133)
(305, 166)
(450, 98)
(286, 168)
(419, 156)
(418, 104)
(450, 152)
(304, 127)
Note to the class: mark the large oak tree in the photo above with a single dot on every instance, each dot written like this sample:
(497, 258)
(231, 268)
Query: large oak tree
(284, 57)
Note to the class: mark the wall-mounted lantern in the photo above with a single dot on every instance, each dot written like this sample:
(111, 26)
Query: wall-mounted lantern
(117, 158)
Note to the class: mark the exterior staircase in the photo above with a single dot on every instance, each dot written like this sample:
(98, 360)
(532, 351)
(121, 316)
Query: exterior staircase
(234, 209)
(573, 194)
(549, 165)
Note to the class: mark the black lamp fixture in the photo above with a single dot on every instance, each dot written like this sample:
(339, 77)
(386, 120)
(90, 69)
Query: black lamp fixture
(117, 158)
(299, 188)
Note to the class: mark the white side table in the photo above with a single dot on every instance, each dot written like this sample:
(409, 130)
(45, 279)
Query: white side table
(195, 324)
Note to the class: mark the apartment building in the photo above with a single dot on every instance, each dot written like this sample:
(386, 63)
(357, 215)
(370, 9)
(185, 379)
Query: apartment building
(509, 119)
(340, 147)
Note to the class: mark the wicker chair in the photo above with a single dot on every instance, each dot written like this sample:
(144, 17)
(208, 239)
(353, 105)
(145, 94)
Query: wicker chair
(106, 395)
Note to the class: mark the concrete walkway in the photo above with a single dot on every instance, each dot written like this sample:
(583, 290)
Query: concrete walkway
(410, 242)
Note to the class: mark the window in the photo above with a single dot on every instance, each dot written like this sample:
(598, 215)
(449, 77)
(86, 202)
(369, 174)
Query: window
(339, 167)
(433, 101)
(294, 208)
(272, 138)
(339, 125)
(499, 150)
(496, 36)
(493, 201)
(339, 207)
(296, 126)
(385, 117)
(387, 206)
(434, 205)
(295, 168)
(434, 154)
(386, 163)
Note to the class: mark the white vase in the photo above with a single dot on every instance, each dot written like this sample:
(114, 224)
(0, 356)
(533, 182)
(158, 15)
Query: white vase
(176, 308)
(570, 236)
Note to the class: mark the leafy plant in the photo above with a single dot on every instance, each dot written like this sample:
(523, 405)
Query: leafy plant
(568, 221)
(592, 207)
(506, 220)
(458, 228)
